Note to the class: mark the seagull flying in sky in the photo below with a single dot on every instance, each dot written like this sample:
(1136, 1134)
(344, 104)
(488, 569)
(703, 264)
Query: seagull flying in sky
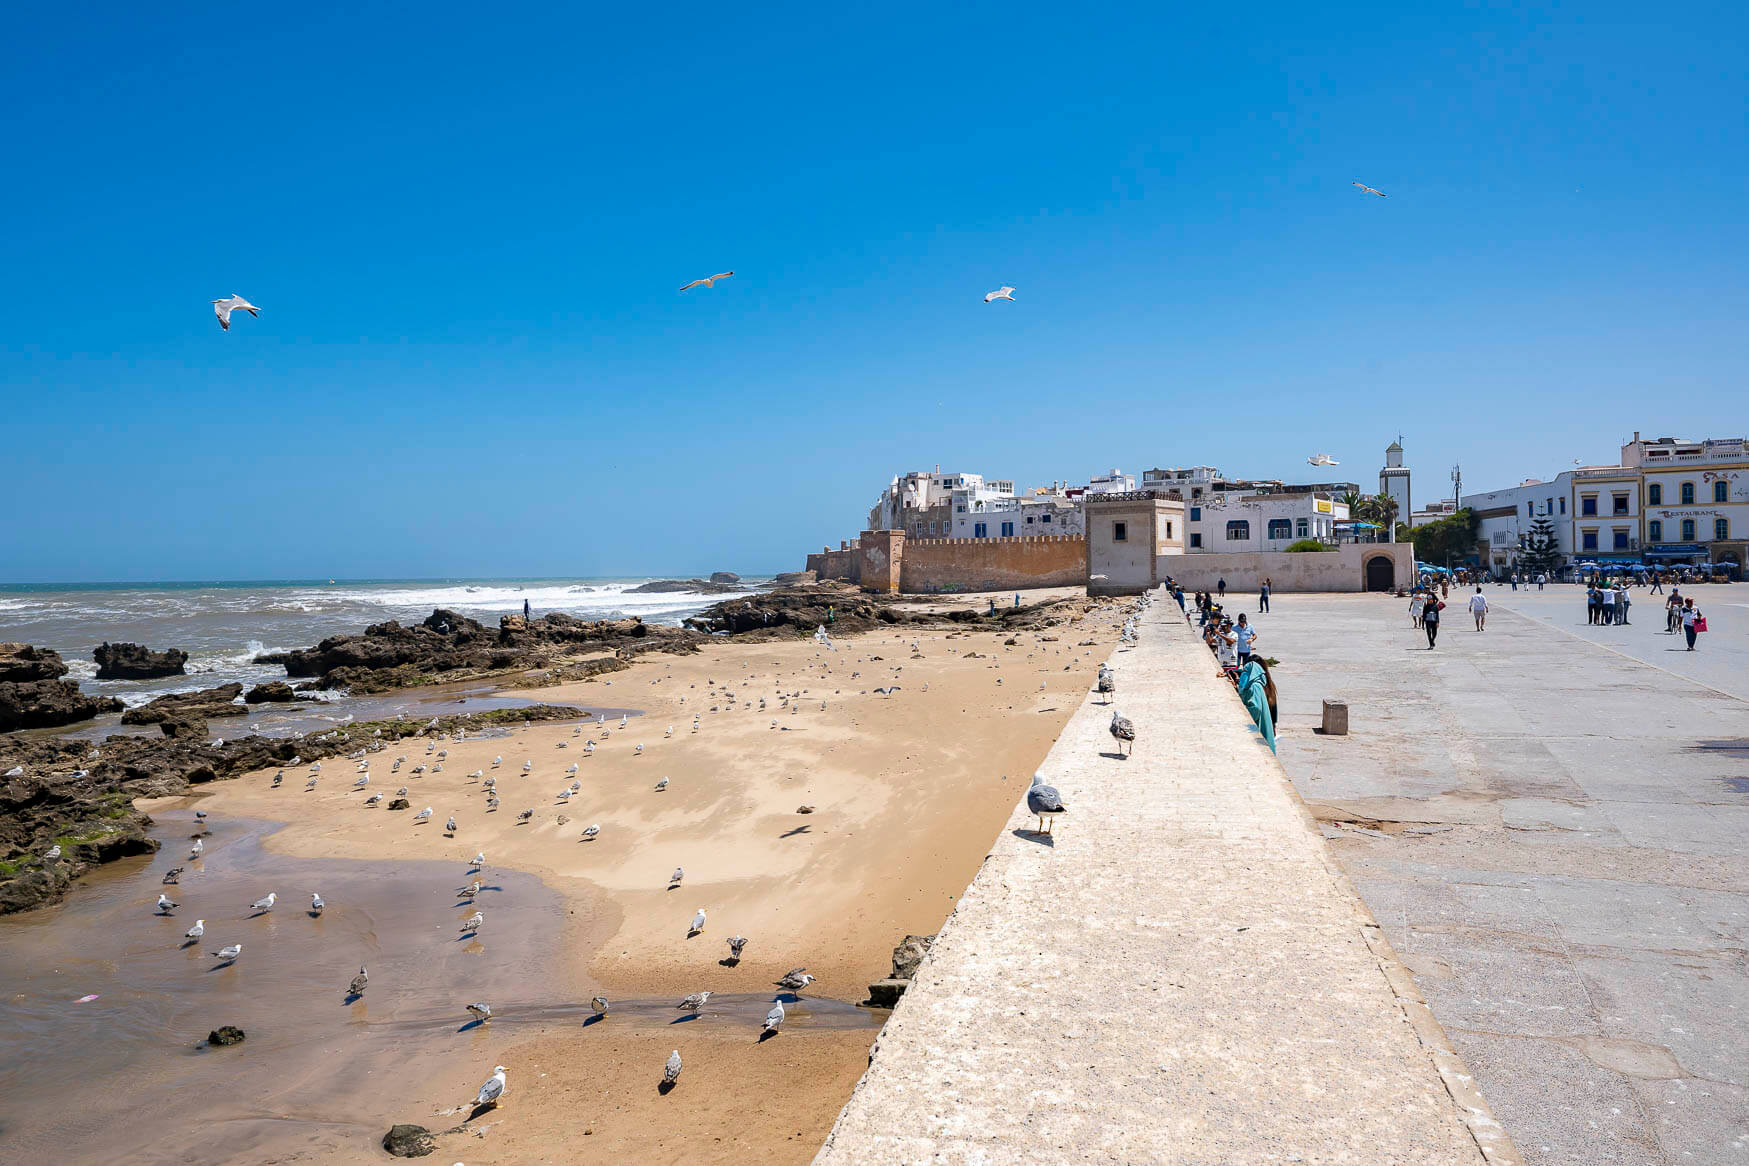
(1322, 459)
(1369, 190)
(708, 281)
(1001, 293)
(223, 309)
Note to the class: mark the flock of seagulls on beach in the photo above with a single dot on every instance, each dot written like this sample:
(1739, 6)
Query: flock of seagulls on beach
(1042, 800)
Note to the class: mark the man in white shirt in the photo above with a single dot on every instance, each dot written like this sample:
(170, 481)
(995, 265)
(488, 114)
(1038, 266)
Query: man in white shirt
(1479, 607)
(1608, 604)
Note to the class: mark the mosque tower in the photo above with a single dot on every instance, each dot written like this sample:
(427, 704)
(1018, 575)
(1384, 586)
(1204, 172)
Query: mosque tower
(1394, 482)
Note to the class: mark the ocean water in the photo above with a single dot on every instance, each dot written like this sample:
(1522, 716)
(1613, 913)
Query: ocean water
(223, 626)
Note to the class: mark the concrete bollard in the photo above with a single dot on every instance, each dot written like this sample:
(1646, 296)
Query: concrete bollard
(1335, 718)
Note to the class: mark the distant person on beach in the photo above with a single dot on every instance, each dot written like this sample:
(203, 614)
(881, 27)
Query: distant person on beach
(1221, 586)
(1430, 619)
(1263, 596)
(525, 609)
(1479, 608)
(1621, 605)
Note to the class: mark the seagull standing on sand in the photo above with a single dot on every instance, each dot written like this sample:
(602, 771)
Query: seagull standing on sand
(591, 830)
(470, 890)
(474, 922)
(661, 785)
(262, 906)
(774, 1018)
(736, 943)
(1122, 730)
(316, 904)
(1044, 801)
(795, 980)
(359, 982)
(423, 815)
(697, 921)
(229, 953)
(165, 906)
(450, 825)
(223, 309)
(479, 860)
(674, 879)
(694, 1002)
(599, 1005)
(194, 933)
(1002, 293)
(708, 281)
(193, 851)
(1365, 189)
(481, 1011)
(671, 1071)
(493, 1089)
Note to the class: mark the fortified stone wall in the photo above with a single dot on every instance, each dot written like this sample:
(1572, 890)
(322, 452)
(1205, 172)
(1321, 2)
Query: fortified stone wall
(983, 564)
(844, 564)
(1343, 569)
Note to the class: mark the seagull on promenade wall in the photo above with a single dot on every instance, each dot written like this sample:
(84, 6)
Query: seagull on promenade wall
(1002, 293)
(1045, 802)
(708, 281)
(1369, 190)
(223, 309)
(1122, 730)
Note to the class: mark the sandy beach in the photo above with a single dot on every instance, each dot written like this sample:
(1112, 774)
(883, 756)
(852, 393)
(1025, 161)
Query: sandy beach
(908, 789)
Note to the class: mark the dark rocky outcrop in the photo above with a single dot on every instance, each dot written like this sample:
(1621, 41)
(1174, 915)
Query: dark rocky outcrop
(803, 609)
(84, 803)
(796, 578)
(271, 692)
(137, 662)
(33, 694)
(188, 706)
(725, 577)
(225, 1035)
(448, 646)
(409, 1141)
(677, 586)
(400, 804)
(910, 952)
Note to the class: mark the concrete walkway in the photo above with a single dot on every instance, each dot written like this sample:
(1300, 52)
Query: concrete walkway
(1183, 976)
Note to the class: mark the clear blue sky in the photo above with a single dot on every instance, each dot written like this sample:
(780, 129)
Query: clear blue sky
(466, 224)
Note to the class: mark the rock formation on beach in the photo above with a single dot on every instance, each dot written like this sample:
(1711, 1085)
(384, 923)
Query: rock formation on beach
(137, 662)
(272, 691)
(189, 706)
(84, 803)
(33, 694)
(695, 586)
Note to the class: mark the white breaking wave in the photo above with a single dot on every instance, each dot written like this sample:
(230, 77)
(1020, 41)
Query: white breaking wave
(567, 597)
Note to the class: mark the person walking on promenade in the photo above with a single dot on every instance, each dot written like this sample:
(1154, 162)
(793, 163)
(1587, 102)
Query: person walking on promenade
(1479, 608)
(1221, 586)
(1430, 619)
(1657, 584)
(1693, 623)
(1263, 596)
(1621, 606)
(1417, 604)
(1673, 612)
(1515, 580)
(1542, 578)
(1244, 635)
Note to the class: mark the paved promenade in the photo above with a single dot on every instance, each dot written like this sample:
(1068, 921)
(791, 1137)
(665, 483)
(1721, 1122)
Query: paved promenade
(1551, 822)
(1183, 976)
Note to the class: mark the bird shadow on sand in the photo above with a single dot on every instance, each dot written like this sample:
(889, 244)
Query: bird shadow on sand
(596, 1019)
(467, 936)
(220, 966)
(1116, 756)
(258, 914)
(313, 914)
(488, 1107)
(766, 1035)
(795, 831)
(690, 934)
(731, 962)
(188, 943)
(674, 886)
(665, 1088)
(687, 1019)
(471, 1025)
(1034, 836)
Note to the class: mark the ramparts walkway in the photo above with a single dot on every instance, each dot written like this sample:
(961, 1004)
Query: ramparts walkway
(1184, 975)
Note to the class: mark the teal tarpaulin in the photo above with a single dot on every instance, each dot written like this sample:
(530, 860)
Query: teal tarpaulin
(1251, 691)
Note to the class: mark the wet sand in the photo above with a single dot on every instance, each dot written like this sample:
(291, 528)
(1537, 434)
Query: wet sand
(128, 1077)
(909, 790)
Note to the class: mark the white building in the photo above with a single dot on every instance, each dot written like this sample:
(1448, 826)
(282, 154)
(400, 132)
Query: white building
(1116, 482)
(1507, 516)
(1692, 499)
(1394, 480)
(921, 503)
(1242, 521)
(1007, 516)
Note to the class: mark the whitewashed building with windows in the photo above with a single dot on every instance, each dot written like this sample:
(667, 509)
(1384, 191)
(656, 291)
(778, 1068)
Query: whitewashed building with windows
(1507, 517)
(1260, 522)
(1693, 498)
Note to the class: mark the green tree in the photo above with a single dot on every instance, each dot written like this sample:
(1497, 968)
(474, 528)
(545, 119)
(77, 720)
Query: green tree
(1538, 548)
(1306, 544)
(1452, 538)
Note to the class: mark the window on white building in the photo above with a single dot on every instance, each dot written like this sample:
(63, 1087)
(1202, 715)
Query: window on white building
(1688, 493)
(1688, 530)
(1721, 529)
(1120, 532)
(980, 530)
(1281, 528)
(1195, 540)
(1300, 528)
(1007, 530)
(1621, 539)
(1655, 494)
(1238, 530)
(1656, 530)
(1721, 492)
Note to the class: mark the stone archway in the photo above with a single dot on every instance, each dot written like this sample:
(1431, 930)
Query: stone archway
(1381, 573)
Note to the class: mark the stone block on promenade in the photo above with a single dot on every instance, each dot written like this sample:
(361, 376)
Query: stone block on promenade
(1336, 718)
